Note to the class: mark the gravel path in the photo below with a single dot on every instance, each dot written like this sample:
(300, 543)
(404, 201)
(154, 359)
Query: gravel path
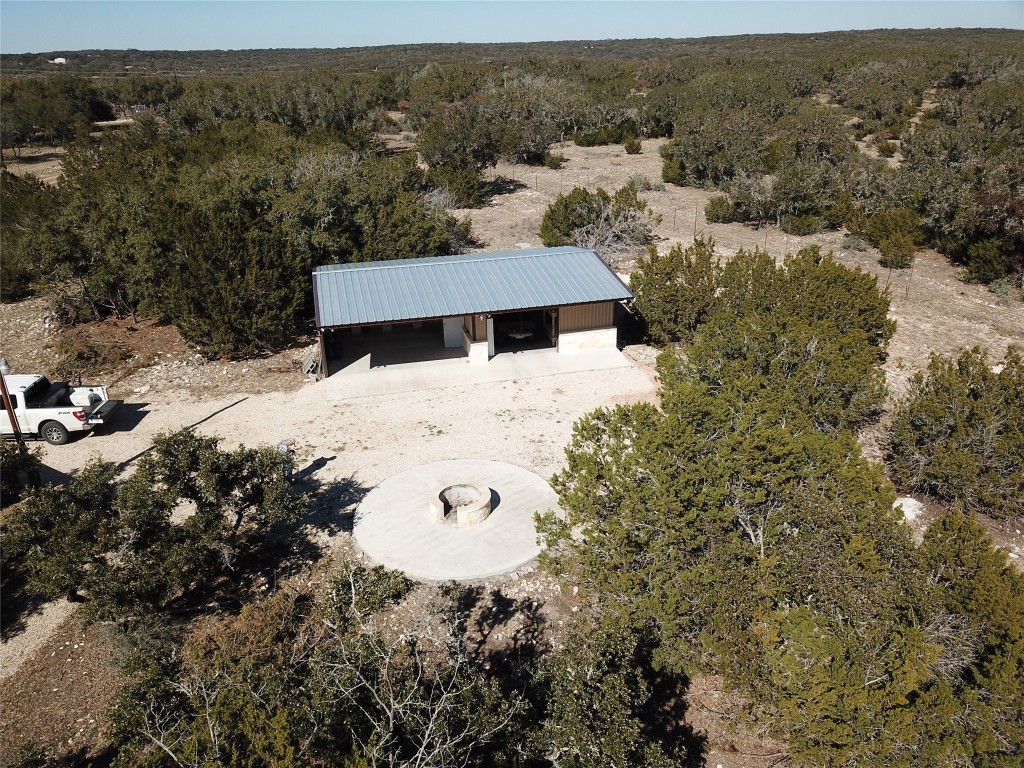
(523, 422)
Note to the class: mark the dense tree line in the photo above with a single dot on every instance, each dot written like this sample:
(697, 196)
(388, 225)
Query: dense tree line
(48, 111)
(216, 229)
(571, 53)
(783, 157)
(771, 129)
(739, 529)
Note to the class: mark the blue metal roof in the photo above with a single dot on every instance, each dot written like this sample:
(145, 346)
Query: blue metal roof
(475, 283)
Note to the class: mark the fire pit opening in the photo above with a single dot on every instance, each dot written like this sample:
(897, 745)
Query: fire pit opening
(463, 504)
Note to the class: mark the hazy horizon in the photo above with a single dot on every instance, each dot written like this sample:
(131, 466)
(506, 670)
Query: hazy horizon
(41, 26)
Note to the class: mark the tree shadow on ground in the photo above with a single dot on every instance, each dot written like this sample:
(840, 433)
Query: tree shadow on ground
(332, 503)
(143, 452)
(504, 636)
(19, 602)
(125, 419)
(664, 717)
(83, 757)
(501, 185)
(50, 476)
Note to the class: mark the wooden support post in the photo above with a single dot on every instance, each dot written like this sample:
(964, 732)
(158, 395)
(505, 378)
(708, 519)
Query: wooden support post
(324, 369)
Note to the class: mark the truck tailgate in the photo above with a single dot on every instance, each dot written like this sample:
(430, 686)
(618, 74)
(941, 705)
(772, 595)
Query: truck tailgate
(103, 412)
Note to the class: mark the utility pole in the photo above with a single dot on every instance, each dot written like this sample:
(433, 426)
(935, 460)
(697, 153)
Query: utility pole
(5, 368)
(33, 472)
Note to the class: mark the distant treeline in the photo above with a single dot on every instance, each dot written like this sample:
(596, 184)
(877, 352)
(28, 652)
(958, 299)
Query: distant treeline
(770, 121)
(252, 61)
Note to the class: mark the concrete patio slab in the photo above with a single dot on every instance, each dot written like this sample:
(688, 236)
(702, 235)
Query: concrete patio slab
(393, 524)
(361, 380)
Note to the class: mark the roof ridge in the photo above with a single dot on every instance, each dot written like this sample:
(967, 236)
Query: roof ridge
(560, 250)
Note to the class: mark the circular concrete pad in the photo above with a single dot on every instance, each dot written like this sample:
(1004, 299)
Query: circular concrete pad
(393, 524)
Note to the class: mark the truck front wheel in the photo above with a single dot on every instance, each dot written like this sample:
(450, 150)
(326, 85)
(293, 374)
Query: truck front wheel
(55, 433)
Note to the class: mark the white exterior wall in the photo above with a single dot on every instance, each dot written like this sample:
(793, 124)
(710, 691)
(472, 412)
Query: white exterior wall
(476, 350)
(579, 341)
(452, 331)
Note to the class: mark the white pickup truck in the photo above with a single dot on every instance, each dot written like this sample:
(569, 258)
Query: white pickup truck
(53, 410)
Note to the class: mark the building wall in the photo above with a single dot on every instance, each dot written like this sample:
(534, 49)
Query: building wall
(582, 341)
(585, 317)
(475, 350)
(475, 327)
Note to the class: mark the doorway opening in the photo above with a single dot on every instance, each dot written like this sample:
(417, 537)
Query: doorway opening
(526, 330)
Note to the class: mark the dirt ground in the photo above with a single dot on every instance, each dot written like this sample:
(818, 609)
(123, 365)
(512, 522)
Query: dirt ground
(42, 162)
(167, 385)
(934, 312)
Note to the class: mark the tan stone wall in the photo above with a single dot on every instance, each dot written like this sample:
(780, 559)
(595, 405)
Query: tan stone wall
(579, 341)
(475, 350)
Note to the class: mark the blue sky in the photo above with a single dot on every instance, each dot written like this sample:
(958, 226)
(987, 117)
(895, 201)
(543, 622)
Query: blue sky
(68, 25)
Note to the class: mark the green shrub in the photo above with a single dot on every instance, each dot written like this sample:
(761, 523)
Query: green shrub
(464, 185)
(891, 223)
(676, 291)
(897, 252)
(641, 183)
(606, 223)
(834, 215)
(554, 160)
(897, 128)
(1006, 288)
(896, 233)
(606, 134)
(855, 243)
(856, 221)
(802, 225)
(632, 145)
(673, 171)
(985, 261)
(464, 138)
(569, 213)
(18, 470)
(599, 137)
(720, 210)
(957, 434)
(887, 148)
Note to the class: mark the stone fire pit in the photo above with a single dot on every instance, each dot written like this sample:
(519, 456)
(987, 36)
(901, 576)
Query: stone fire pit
(461, 519)
(462, 504)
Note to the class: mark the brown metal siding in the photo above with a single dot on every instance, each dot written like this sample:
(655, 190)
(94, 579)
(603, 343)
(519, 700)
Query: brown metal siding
(585, 317)
(476, 327)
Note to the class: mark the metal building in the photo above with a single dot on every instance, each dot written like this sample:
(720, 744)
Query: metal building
(475, 305)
